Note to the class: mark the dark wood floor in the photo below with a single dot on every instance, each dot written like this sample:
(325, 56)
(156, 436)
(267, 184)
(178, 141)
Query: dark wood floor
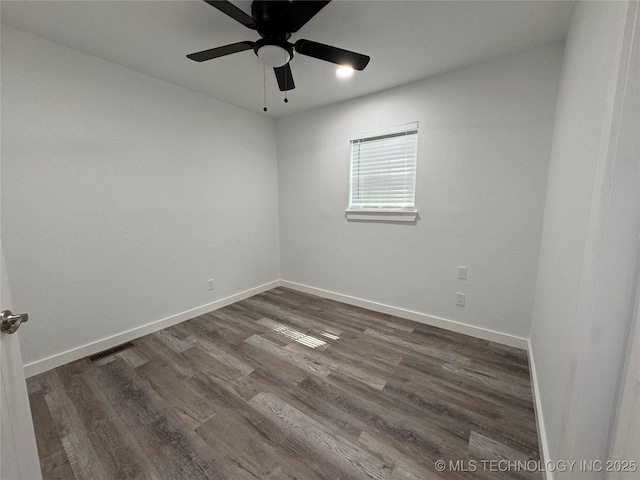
(286, 385)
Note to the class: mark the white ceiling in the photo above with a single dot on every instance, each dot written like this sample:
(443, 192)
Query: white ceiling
(407, 41)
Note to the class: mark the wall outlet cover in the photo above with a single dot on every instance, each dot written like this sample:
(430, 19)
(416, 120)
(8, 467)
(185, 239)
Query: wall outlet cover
(462, 273)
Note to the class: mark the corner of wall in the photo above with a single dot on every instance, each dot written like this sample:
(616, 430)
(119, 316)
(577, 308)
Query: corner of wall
(542, 432)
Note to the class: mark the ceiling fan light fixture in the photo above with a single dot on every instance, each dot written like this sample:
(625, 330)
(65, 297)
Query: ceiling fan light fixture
(273, 55)
(344, 71)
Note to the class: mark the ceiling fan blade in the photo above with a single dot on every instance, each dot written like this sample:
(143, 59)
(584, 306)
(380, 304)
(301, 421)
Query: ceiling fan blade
(285, 78)
(332, 54)
(234, 12)
(220, 51)
(300, 12)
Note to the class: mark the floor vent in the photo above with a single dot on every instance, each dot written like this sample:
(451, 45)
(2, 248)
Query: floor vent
(110, 351)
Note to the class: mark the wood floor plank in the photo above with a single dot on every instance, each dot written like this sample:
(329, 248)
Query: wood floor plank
(167, 447)
(454, 415)
(424, 372)
(296, 335)
(53, 459)
(307, 465)
(403, 467)
(398, 326)
(296, 319)
(120, 437)
(221, 355)
(133, 358)
(204, 362)
(420, 348)
(230, 404)
(286, 385)
(515, 389)
(483, 351)
(279, 366)
(242, 446)
(311, 405)
(493, 449)
(173, 341)
(160, 354)
(292, 356)
(417, 436)
(104, 435)
(170, 388)
(349, 370)
(355, 460)
(74, 434)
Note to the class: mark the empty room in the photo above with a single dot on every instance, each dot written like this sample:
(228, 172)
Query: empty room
(320, 240)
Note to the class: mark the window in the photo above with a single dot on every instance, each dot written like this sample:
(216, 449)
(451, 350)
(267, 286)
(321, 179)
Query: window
(383, 175)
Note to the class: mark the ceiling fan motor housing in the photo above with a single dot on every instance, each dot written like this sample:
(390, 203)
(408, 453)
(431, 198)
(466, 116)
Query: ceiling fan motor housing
(268, 17)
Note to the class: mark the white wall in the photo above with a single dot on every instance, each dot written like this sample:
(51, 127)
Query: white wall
(123, 194)
(483, 151)
(588, 266)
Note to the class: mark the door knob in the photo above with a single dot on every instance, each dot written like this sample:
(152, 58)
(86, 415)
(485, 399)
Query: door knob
(11, 322)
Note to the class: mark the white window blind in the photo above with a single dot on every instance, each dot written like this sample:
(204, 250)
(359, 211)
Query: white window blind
(383, 169)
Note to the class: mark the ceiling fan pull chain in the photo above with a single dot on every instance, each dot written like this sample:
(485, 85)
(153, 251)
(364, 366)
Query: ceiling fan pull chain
(286, 100)
(264, 86)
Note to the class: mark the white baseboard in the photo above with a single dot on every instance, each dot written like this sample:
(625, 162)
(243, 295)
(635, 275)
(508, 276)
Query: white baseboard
(542, 433)
(478, 332)
(48, 363)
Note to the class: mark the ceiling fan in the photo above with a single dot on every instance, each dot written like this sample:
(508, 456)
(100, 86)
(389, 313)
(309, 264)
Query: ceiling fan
(275, 21)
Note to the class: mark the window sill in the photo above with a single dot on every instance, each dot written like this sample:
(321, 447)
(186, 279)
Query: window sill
(381, 215)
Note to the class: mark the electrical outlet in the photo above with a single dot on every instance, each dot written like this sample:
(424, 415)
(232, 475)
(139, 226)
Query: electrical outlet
(460, 298)
(462, 273)
(210, 284)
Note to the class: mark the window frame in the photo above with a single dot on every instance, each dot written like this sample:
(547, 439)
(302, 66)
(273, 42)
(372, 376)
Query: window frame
(382, 213)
